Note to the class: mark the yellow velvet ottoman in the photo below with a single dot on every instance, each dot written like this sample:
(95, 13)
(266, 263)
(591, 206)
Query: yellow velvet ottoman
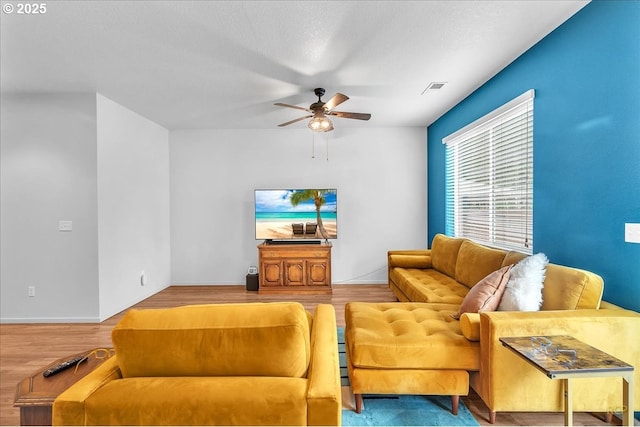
(407, 348)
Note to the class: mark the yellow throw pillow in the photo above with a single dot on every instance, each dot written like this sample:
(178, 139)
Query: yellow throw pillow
(486, 294)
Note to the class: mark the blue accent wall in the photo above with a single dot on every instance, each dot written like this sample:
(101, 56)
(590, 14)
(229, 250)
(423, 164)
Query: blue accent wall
(586, 75)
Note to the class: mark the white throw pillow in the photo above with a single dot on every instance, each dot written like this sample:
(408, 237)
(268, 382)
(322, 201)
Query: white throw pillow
(524, 289)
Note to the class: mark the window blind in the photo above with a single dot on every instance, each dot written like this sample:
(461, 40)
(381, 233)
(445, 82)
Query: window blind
(489, 178)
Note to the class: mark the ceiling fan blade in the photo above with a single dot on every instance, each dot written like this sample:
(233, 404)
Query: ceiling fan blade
(337, 99)
(295, 120)
(345, 115)
(280, 104)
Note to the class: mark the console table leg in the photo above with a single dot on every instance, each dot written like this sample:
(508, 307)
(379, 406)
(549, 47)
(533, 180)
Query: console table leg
(568, 402)
(627, 399)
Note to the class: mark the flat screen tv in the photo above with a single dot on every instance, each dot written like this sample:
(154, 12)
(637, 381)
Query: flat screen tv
(296, 214)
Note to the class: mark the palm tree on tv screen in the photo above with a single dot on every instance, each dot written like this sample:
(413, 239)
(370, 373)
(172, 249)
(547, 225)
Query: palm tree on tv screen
(317, 196)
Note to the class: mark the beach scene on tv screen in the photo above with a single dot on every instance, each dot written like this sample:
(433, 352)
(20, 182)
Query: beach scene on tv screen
(296, 214)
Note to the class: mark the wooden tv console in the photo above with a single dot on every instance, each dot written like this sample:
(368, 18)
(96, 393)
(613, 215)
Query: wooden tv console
(294, 268)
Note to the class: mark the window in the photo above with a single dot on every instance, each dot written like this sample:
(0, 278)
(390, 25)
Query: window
(489, 178)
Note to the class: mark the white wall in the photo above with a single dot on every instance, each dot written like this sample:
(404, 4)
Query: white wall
(177, 205)
(133, 207)
(81, 158)
(380, 175)
(48, 174)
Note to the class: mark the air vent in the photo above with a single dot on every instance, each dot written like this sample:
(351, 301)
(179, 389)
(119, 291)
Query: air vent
(433, 86)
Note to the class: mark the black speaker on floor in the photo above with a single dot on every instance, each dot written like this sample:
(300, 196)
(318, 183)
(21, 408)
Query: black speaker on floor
(252, 282)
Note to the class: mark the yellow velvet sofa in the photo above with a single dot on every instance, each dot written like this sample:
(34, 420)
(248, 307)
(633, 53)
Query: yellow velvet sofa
(432, 284)
(214, 364)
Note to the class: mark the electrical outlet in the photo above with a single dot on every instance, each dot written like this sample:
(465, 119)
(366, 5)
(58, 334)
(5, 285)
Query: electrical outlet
(65, 225)
(31, 291)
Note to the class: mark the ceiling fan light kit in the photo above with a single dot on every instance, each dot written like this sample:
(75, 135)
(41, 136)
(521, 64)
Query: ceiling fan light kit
(320, 124)
(320, 110)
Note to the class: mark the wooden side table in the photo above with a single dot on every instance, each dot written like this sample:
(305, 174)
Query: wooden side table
(586, 362)
(35, 394)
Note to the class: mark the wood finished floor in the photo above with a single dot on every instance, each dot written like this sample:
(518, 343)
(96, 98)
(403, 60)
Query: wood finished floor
(24, 348)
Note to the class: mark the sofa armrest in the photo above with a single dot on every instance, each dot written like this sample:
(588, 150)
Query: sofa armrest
(418, 258)
(613, 331)
(498, 324)
(68, 408)
(324, 393)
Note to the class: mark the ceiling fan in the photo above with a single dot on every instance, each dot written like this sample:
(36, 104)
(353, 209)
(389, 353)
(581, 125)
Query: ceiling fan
(320, 110)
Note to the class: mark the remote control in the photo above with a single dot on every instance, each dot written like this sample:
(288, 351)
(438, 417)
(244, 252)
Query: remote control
(62, 366)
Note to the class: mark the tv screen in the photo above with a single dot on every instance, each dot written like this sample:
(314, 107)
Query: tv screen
(296, 214)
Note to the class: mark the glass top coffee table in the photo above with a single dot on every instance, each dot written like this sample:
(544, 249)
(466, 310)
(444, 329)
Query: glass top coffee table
(564, 357)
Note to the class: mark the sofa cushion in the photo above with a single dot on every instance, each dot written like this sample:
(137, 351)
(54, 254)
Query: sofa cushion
(226, 401)
(250, 339)
(486, 294)
(428, 286)
(566, 288)
(444, 254)
(513, 257)
(475, 262)
(571, 289)
(407, 336)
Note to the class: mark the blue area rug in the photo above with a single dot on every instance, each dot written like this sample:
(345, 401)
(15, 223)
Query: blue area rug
(408, 410)
(404, 410)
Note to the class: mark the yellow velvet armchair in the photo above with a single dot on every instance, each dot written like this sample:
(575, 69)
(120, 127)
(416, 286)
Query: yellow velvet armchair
(215, 364)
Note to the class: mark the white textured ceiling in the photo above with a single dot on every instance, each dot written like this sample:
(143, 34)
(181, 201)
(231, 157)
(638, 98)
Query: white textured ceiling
(222, 64)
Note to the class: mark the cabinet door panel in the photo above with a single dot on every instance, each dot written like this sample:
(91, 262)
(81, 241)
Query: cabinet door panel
(295, 272)
(271, 274)
(318, 272)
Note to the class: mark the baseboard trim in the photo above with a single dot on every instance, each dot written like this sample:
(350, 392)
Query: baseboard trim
(333, 283)
(127, 305)
(360, 282)
(49, 320)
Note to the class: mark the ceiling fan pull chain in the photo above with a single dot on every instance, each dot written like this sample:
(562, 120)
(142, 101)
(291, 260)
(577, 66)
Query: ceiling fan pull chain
(313, 145)
(327, 143)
